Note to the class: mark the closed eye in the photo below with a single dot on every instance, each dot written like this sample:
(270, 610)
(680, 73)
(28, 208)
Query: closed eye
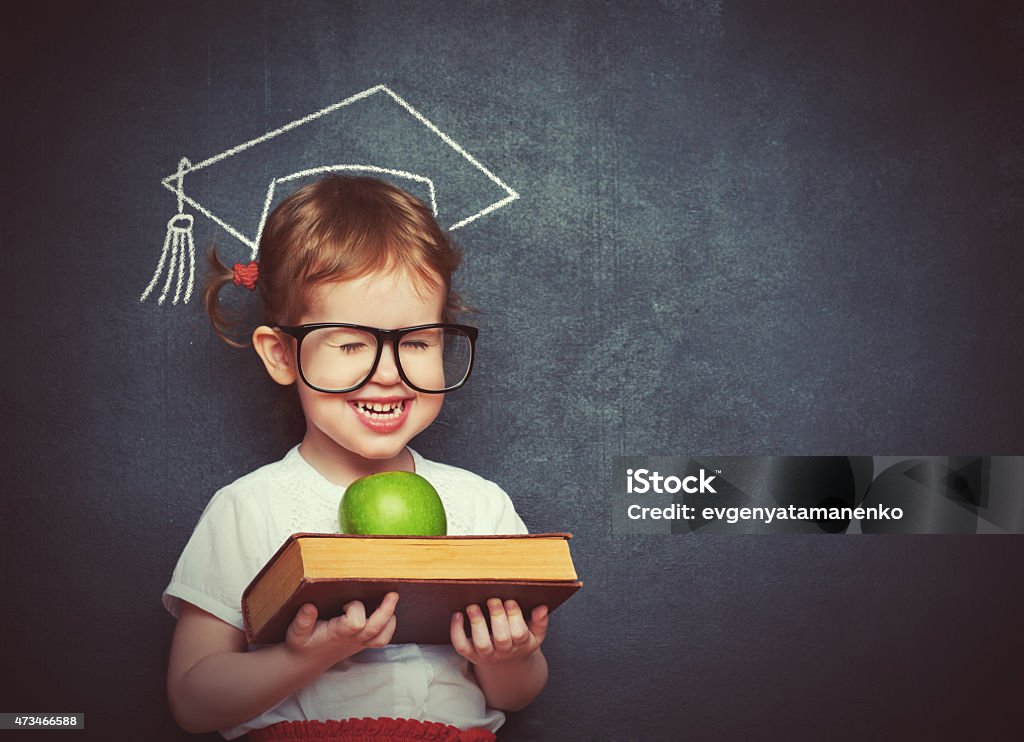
(350, 347)
(415, 345)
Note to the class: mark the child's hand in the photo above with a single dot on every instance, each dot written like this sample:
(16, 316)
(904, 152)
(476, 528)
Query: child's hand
(345, 635)
(509, 640)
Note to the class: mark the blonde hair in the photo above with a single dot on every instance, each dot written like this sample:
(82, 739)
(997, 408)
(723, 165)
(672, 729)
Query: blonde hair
(337, 229)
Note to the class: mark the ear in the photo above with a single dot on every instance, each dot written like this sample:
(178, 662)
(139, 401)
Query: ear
(275, 350)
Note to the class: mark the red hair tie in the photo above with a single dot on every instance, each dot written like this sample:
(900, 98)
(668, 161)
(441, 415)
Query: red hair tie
(246, 275)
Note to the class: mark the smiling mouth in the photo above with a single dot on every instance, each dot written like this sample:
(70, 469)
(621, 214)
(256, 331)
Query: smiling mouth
(380, 410)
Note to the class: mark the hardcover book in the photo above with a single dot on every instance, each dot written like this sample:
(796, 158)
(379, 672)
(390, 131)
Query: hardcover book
(434, 576)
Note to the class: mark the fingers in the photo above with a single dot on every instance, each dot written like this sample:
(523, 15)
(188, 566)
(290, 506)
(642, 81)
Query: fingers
(519, 631)
(479, 634)
(348, 633)
(354, 623)
(300, 630)
(458, 636)
(353, 617)
(509, 635)
(381, 619)
(479, 644)
(539, 622)
(384, 637)
(501, 633)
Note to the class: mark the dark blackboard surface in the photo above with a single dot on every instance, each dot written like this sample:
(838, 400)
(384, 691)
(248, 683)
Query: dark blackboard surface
(744, 228)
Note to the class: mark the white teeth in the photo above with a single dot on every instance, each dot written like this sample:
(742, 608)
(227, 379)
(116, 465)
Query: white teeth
(380, 410)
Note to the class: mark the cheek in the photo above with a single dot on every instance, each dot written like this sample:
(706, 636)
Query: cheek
(317, 403)
(430, 405)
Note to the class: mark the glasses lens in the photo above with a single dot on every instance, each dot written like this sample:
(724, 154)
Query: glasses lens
(436, 359)
(337, 358)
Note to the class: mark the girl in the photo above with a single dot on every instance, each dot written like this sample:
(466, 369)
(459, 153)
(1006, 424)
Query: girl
(355, 282)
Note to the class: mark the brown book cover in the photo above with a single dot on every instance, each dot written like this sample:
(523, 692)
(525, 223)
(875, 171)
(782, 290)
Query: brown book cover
(434, 577)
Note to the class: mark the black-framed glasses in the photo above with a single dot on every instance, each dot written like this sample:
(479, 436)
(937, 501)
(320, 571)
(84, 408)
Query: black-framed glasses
(336, 357)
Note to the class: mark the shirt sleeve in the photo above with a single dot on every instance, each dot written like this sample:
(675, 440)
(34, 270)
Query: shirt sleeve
(505, 519)
(224, 553)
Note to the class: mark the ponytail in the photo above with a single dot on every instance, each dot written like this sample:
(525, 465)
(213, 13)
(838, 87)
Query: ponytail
(225, 324)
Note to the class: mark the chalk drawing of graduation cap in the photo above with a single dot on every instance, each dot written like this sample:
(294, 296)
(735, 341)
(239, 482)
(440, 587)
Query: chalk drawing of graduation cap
(374, 132)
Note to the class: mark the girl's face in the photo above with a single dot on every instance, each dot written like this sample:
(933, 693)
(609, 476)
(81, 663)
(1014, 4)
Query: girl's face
(345, 437)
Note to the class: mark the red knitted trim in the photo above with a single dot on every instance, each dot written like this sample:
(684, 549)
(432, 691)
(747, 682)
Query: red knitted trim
(370, 730)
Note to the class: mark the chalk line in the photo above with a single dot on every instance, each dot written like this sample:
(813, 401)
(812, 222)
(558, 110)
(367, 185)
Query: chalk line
(334, 168)
(512, 194)
(179, 245)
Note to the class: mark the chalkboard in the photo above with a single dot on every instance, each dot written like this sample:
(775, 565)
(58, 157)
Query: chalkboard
(741, 228)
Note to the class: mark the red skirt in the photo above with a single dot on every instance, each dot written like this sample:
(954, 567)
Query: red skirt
(370, 730)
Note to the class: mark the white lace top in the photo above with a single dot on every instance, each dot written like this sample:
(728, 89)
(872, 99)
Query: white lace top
(246, 522)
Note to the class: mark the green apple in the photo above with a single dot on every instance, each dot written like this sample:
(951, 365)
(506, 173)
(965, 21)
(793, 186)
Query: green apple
(392, 503)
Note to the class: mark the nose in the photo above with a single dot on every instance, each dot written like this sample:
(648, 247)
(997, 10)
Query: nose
(387, 370)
